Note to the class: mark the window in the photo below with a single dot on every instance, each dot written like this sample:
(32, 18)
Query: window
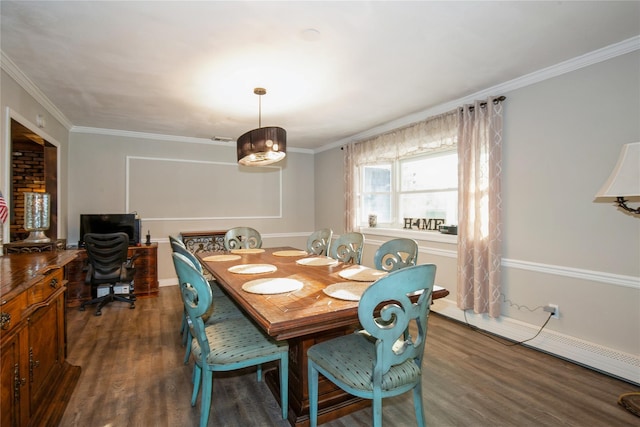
(424, 186)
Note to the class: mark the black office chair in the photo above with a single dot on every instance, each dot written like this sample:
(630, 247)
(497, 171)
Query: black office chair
(109, 265)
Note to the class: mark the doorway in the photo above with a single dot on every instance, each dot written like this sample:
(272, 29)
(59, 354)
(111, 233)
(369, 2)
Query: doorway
(33, 168)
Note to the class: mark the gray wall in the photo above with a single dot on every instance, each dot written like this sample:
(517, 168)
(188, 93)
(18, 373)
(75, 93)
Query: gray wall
(98, 184)
(562, 138)
(21, 106)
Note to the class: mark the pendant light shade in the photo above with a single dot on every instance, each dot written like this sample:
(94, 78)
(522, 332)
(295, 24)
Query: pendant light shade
(262, 146)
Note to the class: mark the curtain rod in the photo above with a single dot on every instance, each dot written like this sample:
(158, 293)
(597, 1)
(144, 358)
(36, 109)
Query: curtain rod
(484, 104)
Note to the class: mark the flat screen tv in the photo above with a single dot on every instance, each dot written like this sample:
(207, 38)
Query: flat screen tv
(110, 223)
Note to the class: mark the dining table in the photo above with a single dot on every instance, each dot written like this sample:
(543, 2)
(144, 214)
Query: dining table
(301, 298)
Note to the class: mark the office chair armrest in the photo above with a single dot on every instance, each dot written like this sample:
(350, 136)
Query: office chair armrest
(130, 261)
(87, 278)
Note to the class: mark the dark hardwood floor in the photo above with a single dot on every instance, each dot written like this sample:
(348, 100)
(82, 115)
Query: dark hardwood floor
(133, 375)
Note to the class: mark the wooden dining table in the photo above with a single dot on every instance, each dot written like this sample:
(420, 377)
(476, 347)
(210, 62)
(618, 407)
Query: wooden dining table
(303, 316)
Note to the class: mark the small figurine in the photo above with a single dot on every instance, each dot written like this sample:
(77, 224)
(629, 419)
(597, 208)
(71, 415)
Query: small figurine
(148, 242)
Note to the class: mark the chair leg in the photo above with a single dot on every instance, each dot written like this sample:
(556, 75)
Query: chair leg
(377, 411)
(205, 402)
(417, 404)
(197, 376)
(187, 351)
(284, 385)
(313, 394)
(259, 372)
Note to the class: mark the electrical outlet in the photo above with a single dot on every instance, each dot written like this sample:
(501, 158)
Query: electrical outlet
(553, 308)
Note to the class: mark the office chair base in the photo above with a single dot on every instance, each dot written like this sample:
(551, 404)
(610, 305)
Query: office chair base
(106, 299)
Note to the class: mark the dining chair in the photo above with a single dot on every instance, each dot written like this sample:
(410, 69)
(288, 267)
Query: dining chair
(385, 358)
(395, 254)
(319, 241)
(225, 346)
(224, 307)
(242, 238)
(348, 248)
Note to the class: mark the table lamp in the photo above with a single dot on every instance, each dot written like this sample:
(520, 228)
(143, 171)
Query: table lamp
(624, 181)
(36, 217)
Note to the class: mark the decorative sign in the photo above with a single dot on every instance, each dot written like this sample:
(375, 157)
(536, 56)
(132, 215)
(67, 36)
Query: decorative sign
(423, 223)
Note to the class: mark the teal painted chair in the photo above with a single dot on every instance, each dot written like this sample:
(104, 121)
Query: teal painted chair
(348, 248)
(319, 241)
(224, 346)
(384, 359)
(242, 238)
(225, 308)
(396, 254)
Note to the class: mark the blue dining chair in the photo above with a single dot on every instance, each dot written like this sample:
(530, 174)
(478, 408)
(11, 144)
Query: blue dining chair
(225, 346)
(383, 359)
(395, 254)
(224, 307)
(347, 248)
(319, 241)
(242, 238)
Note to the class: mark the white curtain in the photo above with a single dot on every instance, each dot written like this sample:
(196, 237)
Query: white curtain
(437, 133)
(480, 207)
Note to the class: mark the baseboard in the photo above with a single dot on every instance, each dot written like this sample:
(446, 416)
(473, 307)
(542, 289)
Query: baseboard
(603, 359)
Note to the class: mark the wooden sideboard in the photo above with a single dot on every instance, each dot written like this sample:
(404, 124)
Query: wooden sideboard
(35, 379)
(145, 279)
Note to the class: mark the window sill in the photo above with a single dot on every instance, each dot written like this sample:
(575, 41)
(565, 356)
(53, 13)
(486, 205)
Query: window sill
(432, 236)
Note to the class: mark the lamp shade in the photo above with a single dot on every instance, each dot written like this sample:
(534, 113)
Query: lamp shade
(624, 181)
(262, 146)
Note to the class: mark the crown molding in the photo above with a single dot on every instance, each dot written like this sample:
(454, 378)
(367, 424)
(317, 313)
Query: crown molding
(594, 57)
(16, 74)
(617, 49)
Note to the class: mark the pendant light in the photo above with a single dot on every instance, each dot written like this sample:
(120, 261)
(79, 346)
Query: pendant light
(262, 146)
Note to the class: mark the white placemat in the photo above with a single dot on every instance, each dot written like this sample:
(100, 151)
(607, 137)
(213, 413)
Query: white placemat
(276, 285)
(361, 273)
(252, 268)
(291, 253)
(317, 261)
(223, 257)
(350, 291)
(247, 251)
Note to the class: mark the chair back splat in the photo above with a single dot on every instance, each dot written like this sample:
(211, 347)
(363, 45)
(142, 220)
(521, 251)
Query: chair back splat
(396, 254)
(319, 242)
(348, 248)
(384, 359)
(242, 238)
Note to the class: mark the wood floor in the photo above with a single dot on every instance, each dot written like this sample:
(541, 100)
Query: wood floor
(133, 375)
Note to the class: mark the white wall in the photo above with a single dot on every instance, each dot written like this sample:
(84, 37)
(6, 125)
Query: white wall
(562, 137)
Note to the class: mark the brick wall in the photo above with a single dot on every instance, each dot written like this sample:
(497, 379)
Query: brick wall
(28, 176)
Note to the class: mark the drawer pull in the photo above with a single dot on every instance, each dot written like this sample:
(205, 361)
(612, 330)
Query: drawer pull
(5, 321)
(53, 283)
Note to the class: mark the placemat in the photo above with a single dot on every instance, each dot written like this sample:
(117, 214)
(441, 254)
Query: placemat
(361, 274)
(222, 258)
(247, 251)
(317, 261)
(291, 253)
(252, 268)
(276, 285)
(350, 291)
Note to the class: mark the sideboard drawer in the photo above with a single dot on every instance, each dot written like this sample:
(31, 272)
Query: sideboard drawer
(11, 312)
(43, 289)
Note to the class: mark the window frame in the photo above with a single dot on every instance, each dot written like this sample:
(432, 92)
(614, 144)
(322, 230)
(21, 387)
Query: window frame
(395, 227)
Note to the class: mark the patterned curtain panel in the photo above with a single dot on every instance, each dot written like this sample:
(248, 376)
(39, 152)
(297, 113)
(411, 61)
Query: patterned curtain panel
(480, 207)
(437, 133)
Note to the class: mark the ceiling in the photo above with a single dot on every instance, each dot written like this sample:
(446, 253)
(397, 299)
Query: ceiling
(332, 70)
